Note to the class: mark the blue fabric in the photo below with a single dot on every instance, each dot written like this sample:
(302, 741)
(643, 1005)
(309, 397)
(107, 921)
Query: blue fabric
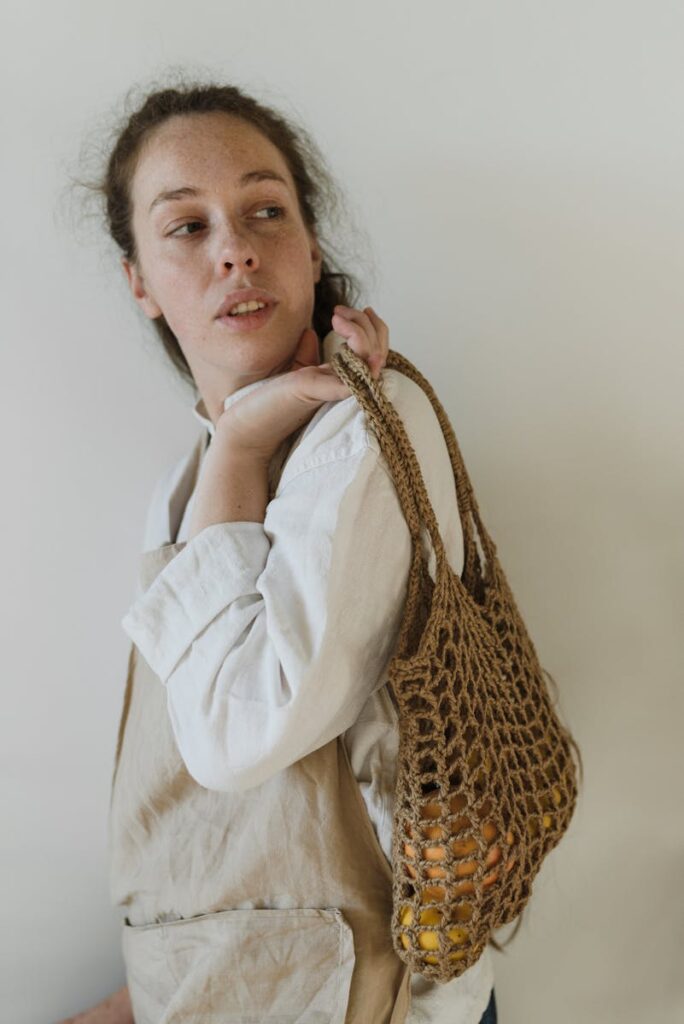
(489, 1016)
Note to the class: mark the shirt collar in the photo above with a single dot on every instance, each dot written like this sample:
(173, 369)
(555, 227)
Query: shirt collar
(331, 344)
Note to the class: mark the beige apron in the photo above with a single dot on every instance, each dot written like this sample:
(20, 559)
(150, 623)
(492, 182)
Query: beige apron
(266, 907)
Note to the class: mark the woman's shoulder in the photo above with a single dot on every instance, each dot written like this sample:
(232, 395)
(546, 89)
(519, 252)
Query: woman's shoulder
(420, 421)
(342, 429)
(412, 405)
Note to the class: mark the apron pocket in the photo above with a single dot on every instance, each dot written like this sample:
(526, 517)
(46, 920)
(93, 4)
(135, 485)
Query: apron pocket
(241, 967)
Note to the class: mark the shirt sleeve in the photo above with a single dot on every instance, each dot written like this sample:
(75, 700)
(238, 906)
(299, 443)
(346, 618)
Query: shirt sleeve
(270, 637)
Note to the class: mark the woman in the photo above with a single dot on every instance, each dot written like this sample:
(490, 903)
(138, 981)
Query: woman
(251, 800)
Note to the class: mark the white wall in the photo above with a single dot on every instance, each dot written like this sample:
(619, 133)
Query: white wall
(517, 169)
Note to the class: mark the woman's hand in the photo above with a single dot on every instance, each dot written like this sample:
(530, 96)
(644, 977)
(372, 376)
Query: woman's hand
(255, 426)
(365, 333)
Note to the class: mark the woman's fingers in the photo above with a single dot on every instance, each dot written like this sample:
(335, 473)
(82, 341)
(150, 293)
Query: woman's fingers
(382, 332)
(365, 333)
(358, 329)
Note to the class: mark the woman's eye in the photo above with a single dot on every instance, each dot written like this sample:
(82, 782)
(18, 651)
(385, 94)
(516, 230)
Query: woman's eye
(273, 213)
(279, 212)
(190, 223)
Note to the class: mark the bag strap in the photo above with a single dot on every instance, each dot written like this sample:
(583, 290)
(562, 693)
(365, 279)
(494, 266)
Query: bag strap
(401, 457)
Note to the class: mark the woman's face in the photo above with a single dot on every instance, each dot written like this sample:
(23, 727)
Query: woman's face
(234, 232)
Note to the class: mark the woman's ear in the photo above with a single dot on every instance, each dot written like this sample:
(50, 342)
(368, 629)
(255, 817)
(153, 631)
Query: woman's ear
(137, 286)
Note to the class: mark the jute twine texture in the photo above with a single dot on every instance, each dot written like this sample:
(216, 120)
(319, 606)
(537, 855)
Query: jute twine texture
(482, 752)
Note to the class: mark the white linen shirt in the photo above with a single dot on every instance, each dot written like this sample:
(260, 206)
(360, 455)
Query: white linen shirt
(273, 638)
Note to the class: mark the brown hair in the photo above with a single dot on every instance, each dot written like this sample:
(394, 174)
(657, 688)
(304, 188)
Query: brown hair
(317, 192)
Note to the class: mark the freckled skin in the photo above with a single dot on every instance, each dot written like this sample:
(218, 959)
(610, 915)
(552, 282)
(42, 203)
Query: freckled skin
(235, 241)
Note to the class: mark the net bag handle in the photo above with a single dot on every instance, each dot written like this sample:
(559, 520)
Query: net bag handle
(401, 458)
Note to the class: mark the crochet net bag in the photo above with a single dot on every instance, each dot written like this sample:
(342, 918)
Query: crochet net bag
(486, 784)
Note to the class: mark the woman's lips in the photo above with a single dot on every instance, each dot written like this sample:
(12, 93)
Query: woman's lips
(247, 321)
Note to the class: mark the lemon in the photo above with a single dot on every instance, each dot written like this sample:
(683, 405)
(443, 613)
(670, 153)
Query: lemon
(489, 830)
(430, 940)
(433, 892)
(405, 917)
(463, 912)
(457, 955)
(433, 809)
(461, 847)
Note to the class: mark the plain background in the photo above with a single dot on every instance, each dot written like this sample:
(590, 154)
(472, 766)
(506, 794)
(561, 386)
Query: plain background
(515, 173)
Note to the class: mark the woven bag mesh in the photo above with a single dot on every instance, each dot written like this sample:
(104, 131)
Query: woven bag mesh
(486, 784)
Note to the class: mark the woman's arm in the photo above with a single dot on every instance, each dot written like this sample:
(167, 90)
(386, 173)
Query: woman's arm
(270, 637)
(115, 1009)
(233, 487)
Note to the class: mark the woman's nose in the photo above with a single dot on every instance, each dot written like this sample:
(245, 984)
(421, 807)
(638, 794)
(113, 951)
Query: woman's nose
(236, 248)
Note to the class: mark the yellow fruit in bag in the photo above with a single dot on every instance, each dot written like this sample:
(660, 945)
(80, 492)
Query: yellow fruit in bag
(427, 939)
(460, 847)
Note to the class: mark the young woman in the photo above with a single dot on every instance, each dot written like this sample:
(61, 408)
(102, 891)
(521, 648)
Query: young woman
(251, 807)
